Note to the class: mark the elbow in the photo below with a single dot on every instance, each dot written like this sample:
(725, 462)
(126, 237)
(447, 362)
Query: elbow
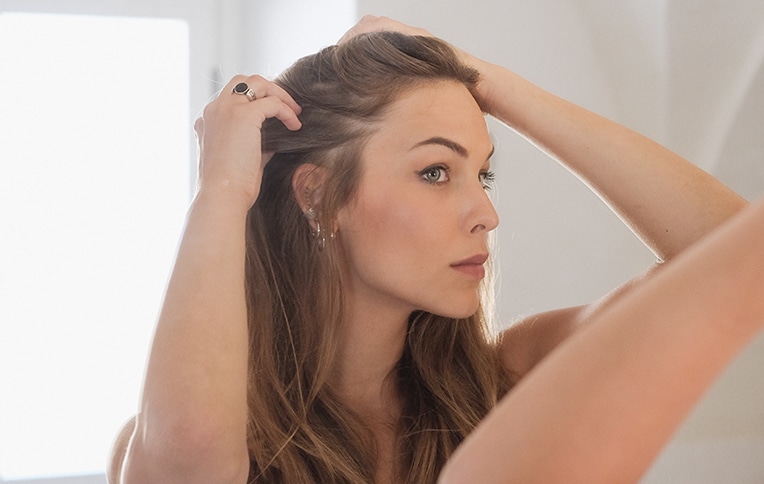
(455, 472)
(471, 464)
(446, 477)
(186, 452)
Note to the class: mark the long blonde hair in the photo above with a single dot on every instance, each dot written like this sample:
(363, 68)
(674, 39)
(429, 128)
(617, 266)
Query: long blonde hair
(449, 374)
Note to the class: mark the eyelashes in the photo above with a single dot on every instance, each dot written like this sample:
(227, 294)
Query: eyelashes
(488, 179)
(440, 174)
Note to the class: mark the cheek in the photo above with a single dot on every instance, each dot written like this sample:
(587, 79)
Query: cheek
(388, 230)
(374, 222)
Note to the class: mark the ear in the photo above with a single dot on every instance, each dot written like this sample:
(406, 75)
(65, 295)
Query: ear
(308, 185)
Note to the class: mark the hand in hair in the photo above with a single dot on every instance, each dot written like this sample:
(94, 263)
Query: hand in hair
(228, 133)
(370, 23)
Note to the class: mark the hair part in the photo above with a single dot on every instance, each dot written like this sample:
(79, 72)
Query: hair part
(449, 374)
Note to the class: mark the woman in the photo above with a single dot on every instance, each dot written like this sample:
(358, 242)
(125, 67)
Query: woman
(323, 320)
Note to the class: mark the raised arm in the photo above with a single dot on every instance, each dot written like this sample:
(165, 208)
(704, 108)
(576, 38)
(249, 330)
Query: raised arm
(191, 425)
(601, 407)
(666, 200)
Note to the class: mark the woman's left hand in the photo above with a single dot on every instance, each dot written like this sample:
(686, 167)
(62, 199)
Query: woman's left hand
(370, 23)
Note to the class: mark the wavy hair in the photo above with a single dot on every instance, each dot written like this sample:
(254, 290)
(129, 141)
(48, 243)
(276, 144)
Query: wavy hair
(449, 374)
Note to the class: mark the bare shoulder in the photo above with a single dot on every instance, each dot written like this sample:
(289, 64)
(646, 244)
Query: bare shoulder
(118, 452)
(527, 342)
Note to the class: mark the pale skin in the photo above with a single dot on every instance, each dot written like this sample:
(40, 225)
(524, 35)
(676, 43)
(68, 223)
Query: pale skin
(422, 189)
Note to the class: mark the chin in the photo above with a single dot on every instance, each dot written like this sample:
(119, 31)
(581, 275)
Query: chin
(464, 315)
(454, 305)
(458, 312)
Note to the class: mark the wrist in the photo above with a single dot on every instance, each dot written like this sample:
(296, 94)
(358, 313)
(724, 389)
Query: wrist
(225, 194)
(486, 84)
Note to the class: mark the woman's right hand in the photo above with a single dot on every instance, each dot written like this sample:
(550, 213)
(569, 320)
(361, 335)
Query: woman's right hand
(192, 422)
(228, 134)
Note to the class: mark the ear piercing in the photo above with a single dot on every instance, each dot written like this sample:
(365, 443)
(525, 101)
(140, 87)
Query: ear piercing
(318, 234)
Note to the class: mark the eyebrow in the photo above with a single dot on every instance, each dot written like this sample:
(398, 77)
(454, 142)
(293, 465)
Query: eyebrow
(450, 144)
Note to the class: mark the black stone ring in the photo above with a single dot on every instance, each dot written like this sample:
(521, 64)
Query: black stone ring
(243, 88)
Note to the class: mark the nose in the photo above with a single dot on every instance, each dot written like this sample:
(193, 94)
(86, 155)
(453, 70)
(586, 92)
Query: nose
(484, 217)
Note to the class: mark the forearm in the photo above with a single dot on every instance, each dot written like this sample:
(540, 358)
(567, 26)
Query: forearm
(666, 200)
(194, 396)
(192, 422)
(602, 406)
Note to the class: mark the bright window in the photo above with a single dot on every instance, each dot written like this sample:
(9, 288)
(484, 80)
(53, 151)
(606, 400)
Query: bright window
(94, 184)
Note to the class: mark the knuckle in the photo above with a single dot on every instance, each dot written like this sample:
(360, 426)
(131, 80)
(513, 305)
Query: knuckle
(209, 111)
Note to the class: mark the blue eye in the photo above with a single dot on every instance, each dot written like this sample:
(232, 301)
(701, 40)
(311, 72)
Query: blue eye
(435, 174)
(487, 178)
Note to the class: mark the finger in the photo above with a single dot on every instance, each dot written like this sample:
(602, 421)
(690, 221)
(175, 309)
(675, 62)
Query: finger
(199, 126)
(262, 88)
(273, 89)
(370, 23)
(273, 107)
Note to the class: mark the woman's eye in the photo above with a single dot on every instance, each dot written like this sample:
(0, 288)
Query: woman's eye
(435, 174)
(487, 178)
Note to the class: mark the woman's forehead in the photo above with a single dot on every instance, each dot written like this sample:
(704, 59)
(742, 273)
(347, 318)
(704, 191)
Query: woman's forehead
(443, 111)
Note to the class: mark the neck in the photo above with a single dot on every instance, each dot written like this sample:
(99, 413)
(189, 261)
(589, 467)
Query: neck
(372, 344)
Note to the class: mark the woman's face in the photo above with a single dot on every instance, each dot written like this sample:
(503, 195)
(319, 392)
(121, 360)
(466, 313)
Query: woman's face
(415, 235)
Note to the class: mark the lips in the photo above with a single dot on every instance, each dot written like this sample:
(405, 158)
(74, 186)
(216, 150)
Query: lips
(472, 266)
